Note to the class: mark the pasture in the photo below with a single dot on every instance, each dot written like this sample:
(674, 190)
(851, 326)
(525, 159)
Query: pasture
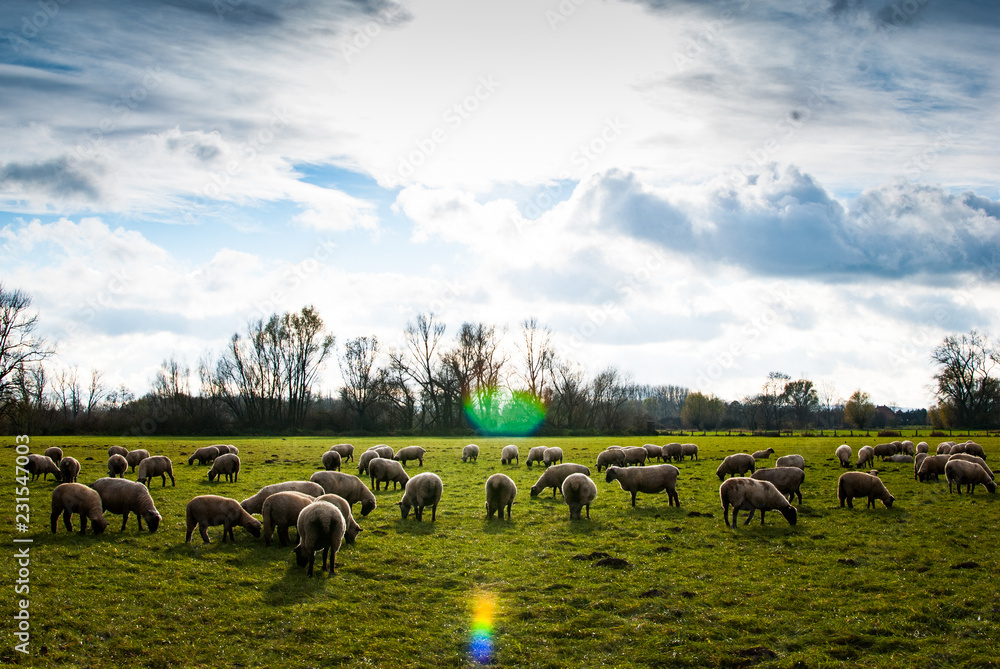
(915, 585)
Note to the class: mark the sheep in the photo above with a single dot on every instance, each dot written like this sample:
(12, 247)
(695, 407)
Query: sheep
(227, 465)
(117, 466)
(69, 469)
(121, 496)
(860, 484)
(907, 447)
(255, 504)
(346, 451)
(973, 458)
(363, 461)
(933, 465)
(922, 447)
(972, 448)
(500, 492)
(384, 471)
(866, 456)
(384, 451)
(320, 526)
(788, 480)
(900, 457)
(408, 453)
(793, 460)
(610, 457)
(226, 448)
(689, 449)
(206, 511)
(352, 528)
(348, 486)
(750, 494)
(70, 498)
(157, 465)
(763, 455)
(917, 460)
(944, 448)
(509, 454)
(470, 452)
(971, 474)
(281, 511)
(136, 456)
(422, 490)
(554, 476)
(615, 448)
(634, 455)
(331, 461)
(883, 451)
(737, 463)
(117, 450)
(957, 448)
(653, 451)
(843, 454)
(649, 480)
(535, 454)
(672, 451)
(578, 491)
(41, 465)
(554, 455)
(54, 453)
(204, 454)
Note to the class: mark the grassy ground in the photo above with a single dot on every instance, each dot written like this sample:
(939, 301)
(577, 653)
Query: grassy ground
(843, 587)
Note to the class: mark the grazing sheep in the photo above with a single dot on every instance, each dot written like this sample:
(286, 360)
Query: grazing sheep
(117, 450)
(536, 454)
(763, 455)
(346, 451)
(635, 455)
(55, 453)
(42, 465)
(117, 466)
(750, 494)
(933, 465)
(793, 460)
(136, 456)
(917, 460)
(648, 480)
(944, 448)
(736, 464)
(348, 486)
(352, 528)
(331, 461)
(156, 465)
(860, 484)
(408, 453)
(968, 473)
(509, 454)
(255, 504)
(207, 511)
(957, 448)
(227, 465)
(615, 448)
(972, 448)
(883, 451)
(922, 447)
(500, 492)
(653, 451)
(70, 498)
(672, 451)
(553, 455)
(900, 457)
(788, 480)
(226, 448)
(69, 469)
(554, 476)
(386, 471)
(973, 458)
(470, 452)
(122, 497)
(363, 461)
(610, 457)
(320, 526)
(578, 491)
(906, 447)
(843, 454)
(204, 454)
(384, 451)
(866, 456)
(281, 511)
(689, 449)
(422, 490)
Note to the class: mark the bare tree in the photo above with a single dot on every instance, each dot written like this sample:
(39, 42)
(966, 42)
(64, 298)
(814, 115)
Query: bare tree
(536, 356)
(362, 379)
(68, 392)
(420, 362)
(96, 391)
(20, 347)
(610, 391)
(569, 397)
(477, 365)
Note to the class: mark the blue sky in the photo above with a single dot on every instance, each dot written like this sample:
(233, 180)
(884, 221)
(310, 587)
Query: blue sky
(697, 192)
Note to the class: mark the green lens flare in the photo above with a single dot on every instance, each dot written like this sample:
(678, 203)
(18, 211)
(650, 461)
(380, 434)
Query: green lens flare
(497, 412)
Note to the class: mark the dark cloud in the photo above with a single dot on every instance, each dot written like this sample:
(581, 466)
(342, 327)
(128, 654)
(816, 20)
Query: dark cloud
(54, 177)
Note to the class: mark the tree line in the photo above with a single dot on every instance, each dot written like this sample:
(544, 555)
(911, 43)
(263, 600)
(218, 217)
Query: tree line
(483, 379)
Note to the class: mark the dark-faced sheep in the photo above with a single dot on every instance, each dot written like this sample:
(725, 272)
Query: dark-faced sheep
(204, 454)
(969, 474)
(122, 497)
(612, 456)
(647, 480)
(554, 476)
(535, 454)
(117, 466)
(866, 456)
(69, 469)
(345, 510)
(346, 451)
(763, 455)
(135, 457)
(331, 461)
(788, 480)
(860, 484)
(736, 464)
(653, 451)
(635, 455)
(281, 511)
(156, 465)
(932, 465)
(363, 460)
(843, 454)
(421, 491)
(348, 486)
(386, 471)
(509, 454)
(117, 450)
(227, 465)
(255, 504)
(749, 494)
(55, 453)
(793, 460)
(470, 453)
(578, 491)
(384, 451)
(408, 453)
(689, 450)
(320, 526)
(976, 459)
(42, 465)
(672, 451)
(500, 492)
(207, 511)
(552, 456)
(70, 498)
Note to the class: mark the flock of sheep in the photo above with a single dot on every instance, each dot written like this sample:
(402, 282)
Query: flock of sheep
(320, 508)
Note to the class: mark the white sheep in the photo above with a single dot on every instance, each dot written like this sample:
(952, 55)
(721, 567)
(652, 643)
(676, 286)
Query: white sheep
(750, 494)
(672, 451)
(117, 450)
(117, 466)
(883, 451)
(207, 511)
(900, 457)
(788, 480)
(843, 454)
(70, 498)
(122, 497)
(500, 492)
(689, 450)
(970, 474)
(932, 465)
(736, 464)
(509, 454)
(578, 491)
(866, 456)
(553, 455)
(860, 484)
(653, 451)
(320, 526)
(917, 461)
(384, 451)
(536, 454)
(385, 471)
(352, 527)
(793, 460)
(907, 448)
(227, 465)
(554, 476)
(422, 490)
(255, 504)
(136, 456)
(281, 511)
(470, 452)
(69, 469)
(204, 454)
(635, 455)
(331, 461)
(346, 451)
(408, 453)
(972, 448)
(976, 459)
(923, 447)
(615, 456)
(944, 448)
(226, 448)
(647, 480)
(156, 465)
(364, 459)
(348, 486)
(763, 455)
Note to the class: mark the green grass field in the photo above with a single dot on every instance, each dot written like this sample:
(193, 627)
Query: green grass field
(867, 588)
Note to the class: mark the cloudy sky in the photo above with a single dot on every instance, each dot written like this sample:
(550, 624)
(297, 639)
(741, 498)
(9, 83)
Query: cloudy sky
(697, 192)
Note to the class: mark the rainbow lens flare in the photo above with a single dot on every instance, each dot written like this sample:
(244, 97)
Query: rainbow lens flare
(495, 412)
(481, 641)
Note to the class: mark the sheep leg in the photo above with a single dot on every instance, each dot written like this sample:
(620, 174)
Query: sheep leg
(312, 560)
(508, 510)
(68, 519)
(283, 535)
(326, 549)
(227, 528)
(190, 530)
(749, 518)
(434, 512)
(203, 530)
(588, 512)
(736, 511)
(55, 518)
(83, 524)
(633, 500)
(725, 514)
(125, 520)
(762, 517)
(333, 562)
